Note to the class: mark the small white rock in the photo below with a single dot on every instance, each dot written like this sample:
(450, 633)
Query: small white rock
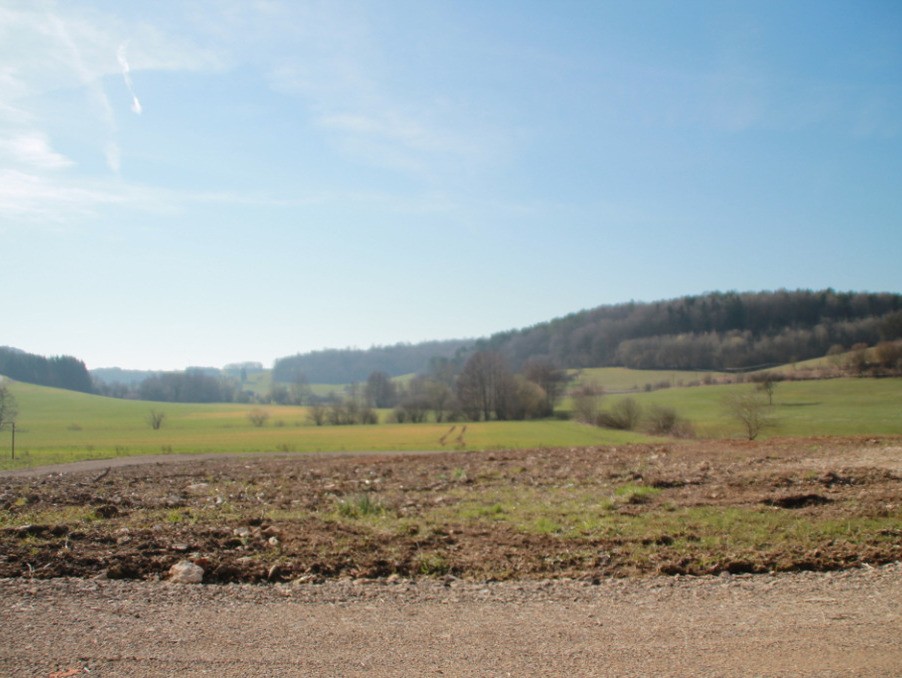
(186, 572)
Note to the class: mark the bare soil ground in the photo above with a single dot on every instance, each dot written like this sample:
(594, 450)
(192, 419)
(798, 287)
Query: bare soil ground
(531, 562)
(688, 508)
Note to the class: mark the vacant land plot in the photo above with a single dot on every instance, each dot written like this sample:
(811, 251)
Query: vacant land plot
(586, 513)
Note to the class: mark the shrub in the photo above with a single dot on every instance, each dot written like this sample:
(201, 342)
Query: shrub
(317, 414)
(624, 415)
(665, 421)
(661, 420)
(258, 417)
(751, 412)
(586, 400)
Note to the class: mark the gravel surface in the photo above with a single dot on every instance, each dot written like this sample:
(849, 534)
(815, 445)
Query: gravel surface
(799, 624)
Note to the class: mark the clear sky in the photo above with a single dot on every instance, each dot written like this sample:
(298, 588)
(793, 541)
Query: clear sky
(198, 183)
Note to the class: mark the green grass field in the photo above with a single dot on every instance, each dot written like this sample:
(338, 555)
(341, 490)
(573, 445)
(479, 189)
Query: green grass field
(60, 426)
(614, 379)
(56, 426)
(846, 406)
(260, 383)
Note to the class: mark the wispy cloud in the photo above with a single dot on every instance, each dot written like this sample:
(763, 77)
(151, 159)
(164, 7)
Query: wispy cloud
(33, 149)
(391, 126)
(341, 69)
(35, 198)
(48, 47)
(49, 50)
(88, 79)
(123, 63)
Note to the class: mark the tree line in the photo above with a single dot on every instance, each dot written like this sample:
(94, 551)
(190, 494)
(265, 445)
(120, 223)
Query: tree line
(712, 331)
(718, 331)
(58, 371)
(484, 388)
(345, 366)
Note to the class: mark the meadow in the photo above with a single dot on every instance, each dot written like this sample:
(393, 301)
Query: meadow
(826, 407)
(57, 426)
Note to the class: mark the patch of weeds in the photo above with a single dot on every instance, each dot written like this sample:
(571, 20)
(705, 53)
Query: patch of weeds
(635, 494)
(121, 450)
(545, 525)
(285, 447)
(607, 504)
(431, 563)
(360, 505)
(495, 511)
(56, 515)
(459, 475)
(74, 427)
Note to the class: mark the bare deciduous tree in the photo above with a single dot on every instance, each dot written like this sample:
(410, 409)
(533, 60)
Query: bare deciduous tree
(586, 402)
(486, 387)
(380, 390)
(258, 417)
(543, 372)
(8, 407)
(155, 419)
(317, 413)
(750, 411)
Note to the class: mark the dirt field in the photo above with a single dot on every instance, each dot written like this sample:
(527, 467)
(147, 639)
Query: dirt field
(688, 508)
(535, 562)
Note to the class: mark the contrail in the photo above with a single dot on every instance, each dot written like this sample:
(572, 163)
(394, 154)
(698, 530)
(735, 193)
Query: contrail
(120, 55)
(93, 86)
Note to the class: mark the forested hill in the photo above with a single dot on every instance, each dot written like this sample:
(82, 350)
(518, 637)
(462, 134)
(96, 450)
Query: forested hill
(345, 366)
(721, 330)
(59, 371)
(712, 331)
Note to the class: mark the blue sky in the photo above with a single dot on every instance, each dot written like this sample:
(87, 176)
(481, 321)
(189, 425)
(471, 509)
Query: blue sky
(198, 183)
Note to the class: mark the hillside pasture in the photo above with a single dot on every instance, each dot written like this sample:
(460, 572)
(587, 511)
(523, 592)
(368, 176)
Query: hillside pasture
(840, 407)
(56, 426)
(622, 379)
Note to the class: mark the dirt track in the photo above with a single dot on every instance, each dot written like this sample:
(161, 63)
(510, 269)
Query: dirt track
(804, 624)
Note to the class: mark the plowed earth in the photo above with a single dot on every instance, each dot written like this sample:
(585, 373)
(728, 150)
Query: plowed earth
(697, 507)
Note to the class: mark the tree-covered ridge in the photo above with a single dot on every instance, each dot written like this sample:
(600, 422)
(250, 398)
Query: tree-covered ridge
(346, 366)
(58, 371)
(720, 330)
(711, 331)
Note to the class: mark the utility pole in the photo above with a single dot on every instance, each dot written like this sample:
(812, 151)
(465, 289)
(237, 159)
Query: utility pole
(13, 447)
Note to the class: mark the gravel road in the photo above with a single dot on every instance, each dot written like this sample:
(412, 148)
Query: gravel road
(802, 624)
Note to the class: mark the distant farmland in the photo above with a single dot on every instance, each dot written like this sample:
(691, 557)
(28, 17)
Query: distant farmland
(58, 426)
